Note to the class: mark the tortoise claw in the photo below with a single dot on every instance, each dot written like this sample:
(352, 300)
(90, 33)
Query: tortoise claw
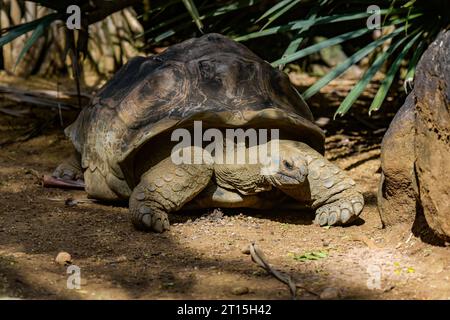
(340, 212)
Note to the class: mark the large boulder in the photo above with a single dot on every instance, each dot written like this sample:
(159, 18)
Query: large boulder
(415, 152)
(398, 188)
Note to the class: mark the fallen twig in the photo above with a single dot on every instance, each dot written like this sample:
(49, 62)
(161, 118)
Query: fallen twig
(48, 98)
(259, 258)
(15, 113)
(52, 182)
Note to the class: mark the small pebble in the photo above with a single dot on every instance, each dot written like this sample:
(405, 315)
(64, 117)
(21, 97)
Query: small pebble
(63, 258)
(239, 291)
(329, 294)
(245, 249)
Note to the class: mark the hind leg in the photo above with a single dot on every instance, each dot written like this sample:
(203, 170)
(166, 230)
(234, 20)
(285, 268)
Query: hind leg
(165, 188)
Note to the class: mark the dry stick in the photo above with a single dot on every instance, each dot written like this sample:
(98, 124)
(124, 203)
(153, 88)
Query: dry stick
(52, 182)
(259, 258)
(43, 93)
(37, 98)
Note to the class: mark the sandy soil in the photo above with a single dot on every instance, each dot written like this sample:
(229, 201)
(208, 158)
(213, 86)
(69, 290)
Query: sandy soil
(202, 255)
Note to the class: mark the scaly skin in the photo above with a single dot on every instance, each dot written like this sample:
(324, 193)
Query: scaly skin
(163, 189)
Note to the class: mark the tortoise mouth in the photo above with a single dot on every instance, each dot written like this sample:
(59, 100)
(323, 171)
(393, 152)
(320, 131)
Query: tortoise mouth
(287, 180)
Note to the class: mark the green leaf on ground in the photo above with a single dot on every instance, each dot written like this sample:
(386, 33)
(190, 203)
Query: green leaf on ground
(312, 255)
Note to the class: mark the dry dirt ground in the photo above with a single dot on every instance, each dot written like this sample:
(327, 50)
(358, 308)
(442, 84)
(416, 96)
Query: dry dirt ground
(202, 257)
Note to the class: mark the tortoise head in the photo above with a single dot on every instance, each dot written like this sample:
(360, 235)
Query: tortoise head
(286, 168)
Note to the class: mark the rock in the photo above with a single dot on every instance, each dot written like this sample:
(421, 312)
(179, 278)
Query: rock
(416, 149)
(397, 191)
(245, 249)
(432, 143)
(332, 55)
(214, 216)
(319, 70)
(63, 258)
(436, 266)
(330, 294)
(239, 291)
(322, 121)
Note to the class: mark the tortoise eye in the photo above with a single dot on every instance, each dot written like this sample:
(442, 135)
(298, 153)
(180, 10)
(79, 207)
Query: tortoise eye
(288, 165)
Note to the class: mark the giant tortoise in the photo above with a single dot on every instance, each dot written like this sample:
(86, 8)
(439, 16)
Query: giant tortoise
(123, 138)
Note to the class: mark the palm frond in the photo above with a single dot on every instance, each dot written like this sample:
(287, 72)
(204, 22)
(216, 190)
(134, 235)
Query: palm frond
(19, 30)
(342, 67)
(193, 11)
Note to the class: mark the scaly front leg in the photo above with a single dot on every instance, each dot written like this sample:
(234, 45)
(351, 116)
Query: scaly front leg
(333, 192)
(163, 189)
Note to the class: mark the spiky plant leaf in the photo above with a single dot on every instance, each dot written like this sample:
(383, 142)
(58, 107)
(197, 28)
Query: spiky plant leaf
(387, 81)
(342, 67)
(193, 11)
(299, 24)
(366, 78)
(19, 30)
(274, 9)
(300, 36)
(321, 45)
(281, 11)
(214, 12)
(38, 32)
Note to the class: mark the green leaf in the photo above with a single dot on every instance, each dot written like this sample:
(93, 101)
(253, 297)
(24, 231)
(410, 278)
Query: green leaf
(164, 24)
(409, 4)
(370, 73)
(38, 32)
(321, 254)
(387, 81)
(229, 8)
(165, 35)
(167, 22)
(365, 80)
(319, 46)
(299, 24)
(280, 12)
(213, 13)
(192, 9)
(310, 256)
(418, 53)
(274, 9)
(22, 29)
(295, 44)
(336, 72)
(159, 8)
